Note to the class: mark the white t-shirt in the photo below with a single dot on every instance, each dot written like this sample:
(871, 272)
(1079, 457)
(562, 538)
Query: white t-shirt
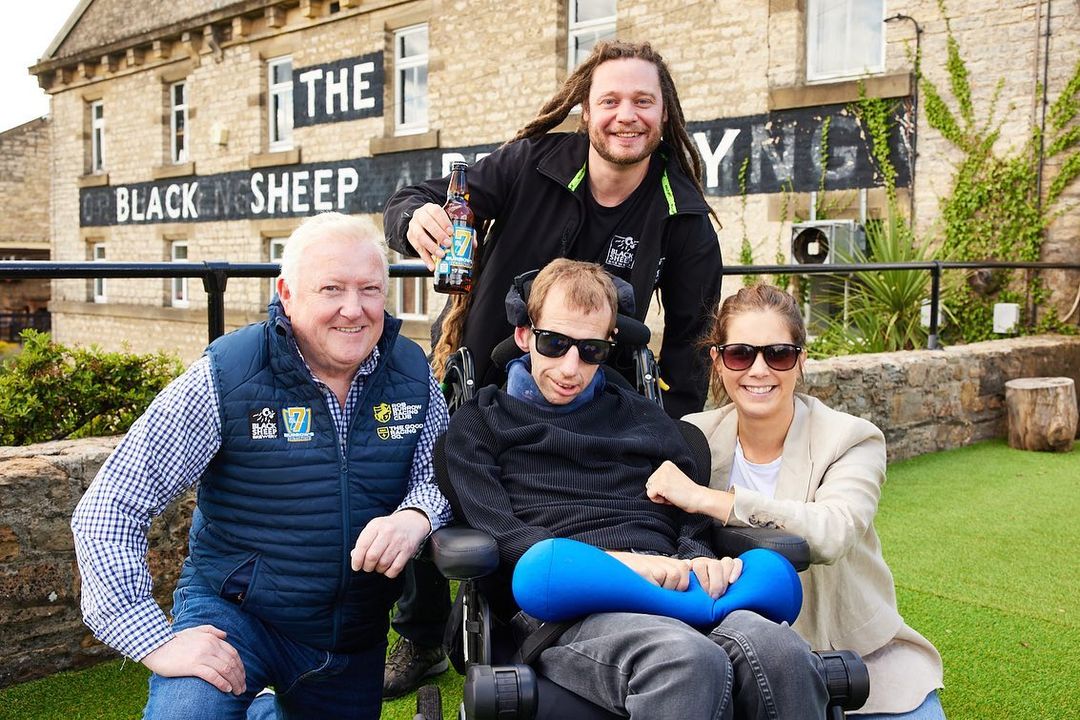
(754, 476)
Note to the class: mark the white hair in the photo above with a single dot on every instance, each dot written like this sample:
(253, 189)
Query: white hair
(317, 228)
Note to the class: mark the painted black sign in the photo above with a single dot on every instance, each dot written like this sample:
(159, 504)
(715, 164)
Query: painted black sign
(342, 90)
(785, 152)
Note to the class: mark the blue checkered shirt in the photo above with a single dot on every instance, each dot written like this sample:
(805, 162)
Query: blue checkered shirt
(163, 454)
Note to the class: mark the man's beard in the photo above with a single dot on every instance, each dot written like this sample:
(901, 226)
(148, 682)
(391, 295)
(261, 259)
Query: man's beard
(599, 141)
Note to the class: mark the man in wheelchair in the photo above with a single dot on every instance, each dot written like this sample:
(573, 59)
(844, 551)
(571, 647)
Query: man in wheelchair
(562, 452)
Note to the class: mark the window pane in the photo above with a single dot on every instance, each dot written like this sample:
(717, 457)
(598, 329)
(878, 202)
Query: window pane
(414, 96)
(584, 42)
(414, 43)
(585, 10)
(281, 72)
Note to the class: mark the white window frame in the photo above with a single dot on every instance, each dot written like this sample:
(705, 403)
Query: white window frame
(179, 297)
(178, 123)
(403, 66)
(279, 117)
(98, 254)
(275, 249)
(97, 137)
(602, 27)
(419, 286)
(814, 11)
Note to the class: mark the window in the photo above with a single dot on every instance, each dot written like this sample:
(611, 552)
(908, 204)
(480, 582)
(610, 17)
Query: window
(178, 117)
(179, 297)
(411, 77)
(275, 251)
(97, 137)
(844, 38)
(590, 21)
(97, 254)
(410, 294)
(279, 75)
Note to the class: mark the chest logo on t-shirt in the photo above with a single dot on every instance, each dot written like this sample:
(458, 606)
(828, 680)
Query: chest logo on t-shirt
(621, 252)
(263, 424)
(297, 424)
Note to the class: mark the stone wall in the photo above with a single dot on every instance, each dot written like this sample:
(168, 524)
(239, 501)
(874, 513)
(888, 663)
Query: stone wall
(925, 400)
(930, 400)
(41, 628)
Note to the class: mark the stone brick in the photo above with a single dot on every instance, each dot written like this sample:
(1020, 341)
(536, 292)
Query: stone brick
(9, 543)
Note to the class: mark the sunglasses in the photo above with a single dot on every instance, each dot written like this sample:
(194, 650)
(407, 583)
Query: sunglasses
(554, 345)
(740, 356)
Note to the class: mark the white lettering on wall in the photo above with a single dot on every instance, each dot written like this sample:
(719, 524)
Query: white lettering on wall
(711, 157)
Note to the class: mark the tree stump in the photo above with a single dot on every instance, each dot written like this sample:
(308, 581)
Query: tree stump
(1042, 413)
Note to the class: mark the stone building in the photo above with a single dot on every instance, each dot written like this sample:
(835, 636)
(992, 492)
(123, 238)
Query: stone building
(24, 223)
(203, 130)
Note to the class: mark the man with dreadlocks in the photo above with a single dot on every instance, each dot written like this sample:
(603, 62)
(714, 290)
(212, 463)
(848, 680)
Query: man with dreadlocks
(623, 191)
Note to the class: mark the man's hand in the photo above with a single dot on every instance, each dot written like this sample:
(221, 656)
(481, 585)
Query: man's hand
(667, 572)
(388, 542)
(716, 575)
(668, 485)
(203, 653)
(429, 233)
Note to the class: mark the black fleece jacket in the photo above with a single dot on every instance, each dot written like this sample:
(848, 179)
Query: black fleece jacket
(532, 191)
(524, 474)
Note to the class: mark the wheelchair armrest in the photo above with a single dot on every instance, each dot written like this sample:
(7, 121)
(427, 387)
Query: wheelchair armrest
(462, 553)
(733, 541)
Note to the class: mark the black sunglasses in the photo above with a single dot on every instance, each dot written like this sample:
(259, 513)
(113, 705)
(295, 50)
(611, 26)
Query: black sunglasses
(554, 345)
(740, 356)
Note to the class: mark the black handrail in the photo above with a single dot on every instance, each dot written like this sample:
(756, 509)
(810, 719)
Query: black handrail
(215, 276)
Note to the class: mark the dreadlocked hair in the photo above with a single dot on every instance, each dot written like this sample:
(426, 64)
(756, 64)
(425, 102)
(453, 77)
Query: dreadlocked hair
(453, 326)
(575, 91)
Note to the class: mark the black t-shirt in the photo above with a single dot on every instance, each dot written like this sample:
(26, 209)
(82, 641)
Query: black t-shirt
(610, 235)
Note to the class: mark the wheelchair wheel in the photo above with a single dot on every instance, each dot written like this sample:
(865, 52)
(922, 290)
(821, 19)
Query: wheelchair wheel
(428, 703)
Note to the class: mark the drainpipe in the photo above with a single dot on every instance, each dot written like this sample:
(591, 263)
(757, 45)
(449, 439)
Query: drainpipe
(1042, 142)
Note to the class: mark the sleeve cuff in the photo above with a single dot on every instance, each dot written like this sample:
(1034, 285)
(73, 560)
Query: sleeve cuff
(137, 631)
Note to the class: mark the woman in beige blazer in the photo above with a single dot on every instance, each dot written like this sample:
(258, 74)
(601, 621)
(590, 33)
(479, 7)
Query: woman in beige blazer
(786, 460)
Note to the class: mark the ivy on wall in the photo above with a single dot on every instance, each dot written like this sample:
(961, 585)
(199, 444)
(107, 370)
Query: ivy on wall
(994, 211)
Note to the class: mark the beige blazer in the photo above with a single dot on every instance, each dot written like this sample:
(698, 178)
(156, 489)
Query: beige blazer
(830, 481)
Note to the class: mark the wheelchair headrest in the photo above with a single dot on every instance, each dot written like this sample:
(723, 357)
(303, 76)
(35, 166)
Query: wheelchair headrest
(631, 331)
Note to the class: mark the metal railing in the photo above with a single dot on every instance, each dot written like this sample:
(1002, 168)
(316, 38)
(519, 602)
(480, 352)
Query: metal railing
(215, 276)
(13, 323)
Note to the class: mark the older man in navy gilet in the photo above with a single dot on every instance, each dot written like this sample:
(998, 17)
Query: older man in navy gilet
(309, 438)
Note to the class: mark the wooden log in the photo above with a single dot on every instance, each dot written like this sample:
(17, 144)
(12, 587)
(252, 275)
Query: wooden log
(1042, 413)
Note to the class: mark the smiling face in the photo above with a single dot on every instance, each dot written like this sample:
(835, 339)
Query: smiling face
(759, 392)
(562, 379)
(625, 112)
(336, 305)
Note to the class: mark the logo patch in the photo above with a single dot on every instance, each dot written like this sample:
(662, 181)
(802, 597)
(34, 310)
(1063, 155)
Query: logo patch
(621, 252)
(382, 412)
(397, 432)
(263, 424)
(398, 412)
(297, 424)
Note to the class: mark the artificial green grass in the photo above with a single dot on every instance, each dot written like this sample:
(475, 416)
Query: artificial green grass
(982, 544)
(981, 541)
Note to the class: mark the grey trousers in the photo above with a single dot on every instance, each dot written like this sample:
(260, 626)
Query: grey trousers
(650, 667)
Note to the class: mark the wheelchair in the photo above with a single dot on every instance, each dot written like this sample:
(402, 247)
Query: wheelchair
(500, 683)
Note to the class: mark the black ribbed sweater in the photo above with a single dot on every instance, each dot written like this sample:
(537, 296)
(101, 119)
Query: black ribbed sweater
(523, 474)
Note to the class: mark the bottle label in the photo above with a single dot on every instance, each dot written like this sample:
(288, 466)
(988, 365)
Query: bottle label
(461, 244)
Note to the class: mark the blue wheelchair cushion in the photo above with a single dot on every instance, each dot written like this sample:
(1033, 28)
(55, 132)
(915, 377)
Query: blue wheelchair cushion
(560, 579)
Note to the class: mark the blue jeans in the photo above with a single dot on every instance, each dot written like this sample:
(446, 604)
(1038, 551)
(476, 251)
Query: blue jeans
(929, 710)
(310, 683)
(647, 666)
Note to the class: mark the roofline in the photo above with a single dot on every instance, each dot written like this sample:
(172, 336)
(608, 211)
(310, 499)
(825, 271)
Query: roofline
(45, 64)
(75, 16)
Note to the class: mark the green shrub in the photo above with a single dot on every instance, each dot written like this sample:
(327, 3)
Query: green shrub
(50, 391)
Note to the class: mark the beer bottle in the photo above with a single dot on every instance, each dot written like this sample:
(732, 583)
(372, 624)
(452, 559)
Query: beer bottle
(453, 273)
